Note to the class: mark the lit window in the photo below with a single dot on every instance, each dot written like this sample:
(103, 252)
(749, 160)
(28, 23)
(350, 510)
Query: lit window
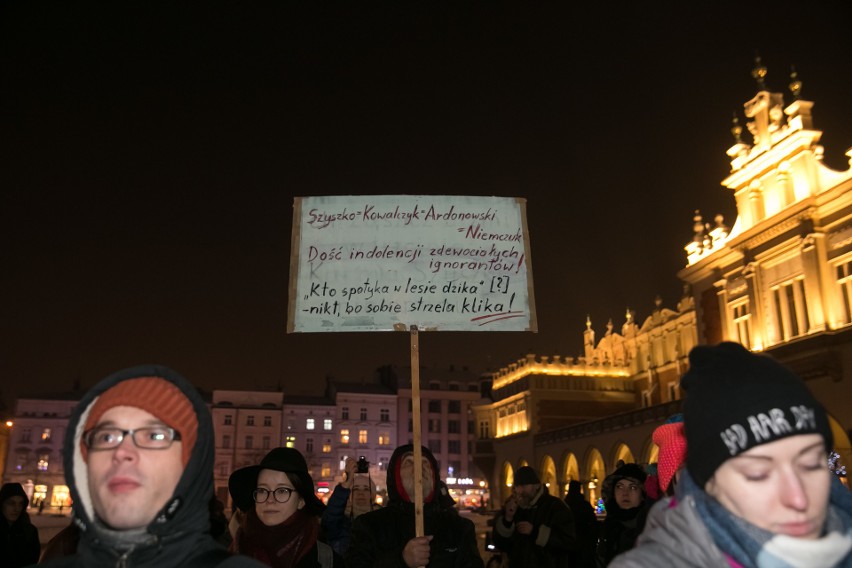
(326, 470)
(45, 435)
(326, 447)
(362, 436)
(344, 436)
(291, 441)
(326, 424)
(384, 438)
(309, 423)
(43, 460)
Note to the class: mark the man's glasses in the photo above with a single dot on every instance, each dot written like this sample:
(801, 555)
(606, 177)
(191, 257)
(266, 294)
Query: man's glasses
(281, 495)
(149, 438)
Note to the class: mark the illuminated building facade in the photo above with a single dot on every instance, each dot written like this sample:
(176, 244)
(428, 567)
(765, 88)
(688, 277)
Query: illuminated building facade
(779, 280)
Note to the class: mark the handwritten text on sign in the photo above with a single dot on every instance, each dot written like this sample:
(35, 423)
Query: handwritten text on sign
(372, 263)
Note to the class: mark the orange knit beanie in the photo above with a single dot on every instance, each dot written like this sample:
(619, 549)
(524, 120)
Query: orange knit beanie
(156, 396)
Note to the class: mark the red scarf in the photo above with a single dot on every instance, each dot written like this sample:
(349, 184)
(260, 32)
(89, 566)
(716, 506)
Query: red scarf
(281, 546)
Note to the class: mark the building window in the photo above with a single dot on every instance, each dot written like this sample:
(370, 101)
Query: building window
(384, 438)
(250, 420)
(344, 413)
(326, 447)
(228, 420)
(45, 435)
(43, 461)
(453, 426)
(435, 406)
(267, 421)
(226, 442)
(20, 461)
(844, 280)
(454, 446)
(791, 310)
(326, 470)
(483, 430)
(309, 424)
(265, 442)
(673, 389)
(454, 386)
(223, 469)
(434, 426)
(434, 385)
(309, 445)
(291, 441)
(249, 442)
(326, 424)
(742, 323)
(384, 415)
(646, 399)
(435, 446)
(454, 406)
(473, 387)
(344, 436)
(26, 435)
(363, 414)
(362, 436)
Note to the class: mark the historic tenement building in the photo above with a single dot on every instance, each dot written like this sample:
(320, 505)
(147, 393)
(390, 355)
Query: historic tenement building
(779, 280)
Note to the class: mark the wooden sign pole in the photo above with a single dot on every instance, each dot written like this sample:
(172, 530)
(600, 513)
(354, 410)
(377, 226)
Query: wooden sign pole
(415, 427)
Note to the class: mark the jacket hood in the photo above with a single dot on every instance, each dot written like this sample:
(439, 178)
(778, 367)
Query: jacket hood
(396, 492)
(187, 510)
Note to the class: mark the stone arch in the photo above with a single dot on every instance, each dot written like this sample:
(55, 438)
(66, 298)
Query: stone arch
(547, 473)
(594, 472)
(522, 462)
(569, 470)
(651, 452)
(622, 451)
(507, 480)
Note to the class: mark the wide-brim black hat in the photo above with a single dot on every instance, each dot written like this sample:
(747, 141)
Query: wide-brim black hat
(243, 482)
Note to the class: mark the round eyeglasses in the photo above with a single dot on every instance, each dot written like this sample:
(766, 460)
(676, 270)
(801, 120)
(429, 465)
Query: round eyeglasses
(281, 495)
(149, 438)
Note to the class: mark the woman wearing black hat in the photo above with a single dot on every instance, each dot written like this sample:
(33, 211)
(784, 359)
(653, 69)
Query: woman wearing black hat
(626, 510)
(281, 513)
(756, 490)
(19, 544)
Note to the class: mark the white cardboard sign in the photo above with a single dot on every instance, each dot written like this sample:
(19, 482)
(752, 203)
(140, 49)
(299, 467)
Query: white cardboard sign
(386, 262)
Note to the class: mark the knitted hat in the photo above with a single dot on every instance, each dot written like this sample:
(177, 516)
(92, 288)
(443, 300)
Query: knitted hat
(526, 476)
(736, 400)
(672, 443)
(243, 482)
(156, 396)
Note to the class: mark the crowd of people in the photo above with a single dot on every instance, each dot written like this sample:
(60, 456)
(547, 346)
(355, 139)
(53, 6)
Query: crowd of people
(742, 480)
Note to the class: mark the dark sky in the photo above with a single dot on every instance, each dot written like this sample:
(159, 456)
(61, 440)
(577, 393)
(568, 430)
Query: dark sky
(150, 155)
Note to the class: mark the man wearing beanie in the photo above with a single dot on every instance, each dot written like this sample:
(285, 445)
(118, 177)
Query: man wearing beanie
(138, 458)
(387, 536)
(756, 490)
(535, 528)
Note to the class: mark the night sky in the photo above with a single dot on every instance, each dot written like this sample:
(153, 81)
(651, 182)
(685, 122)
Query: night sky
(150, 156)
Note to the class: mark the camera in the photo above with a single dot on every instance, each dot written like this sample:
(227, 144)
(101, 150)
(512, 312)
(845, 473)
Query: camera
(363, 465)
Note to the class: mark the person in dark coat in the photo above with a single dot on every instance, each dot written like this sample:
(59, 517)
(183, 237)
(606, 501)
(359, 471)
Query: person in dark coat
(536, 529)
(386, 538)
(138, 458)
(586, 524)
(281, 525)
(627, 508)
(19, 544)
(352, 497)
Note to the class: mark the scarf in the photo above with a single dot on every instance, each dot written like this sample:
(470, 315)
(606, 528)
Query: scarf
(748, 546)
(283, 545)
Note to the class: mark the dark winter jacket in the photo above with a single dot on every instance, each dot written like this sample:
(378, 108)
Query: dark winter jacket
(336, 524)
(378, 537)
(553, 541)
(586, 523)
(178, 536)
(19, 544)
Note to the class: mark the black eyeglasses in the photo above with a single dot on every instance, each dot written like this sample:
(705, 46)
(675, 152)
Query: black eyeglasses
(281, 495)
(149, 438)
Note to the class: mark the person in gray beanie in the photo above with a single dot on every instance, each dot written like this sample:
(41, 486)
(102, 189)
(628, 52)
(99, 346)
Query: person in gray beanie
(756, 490)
